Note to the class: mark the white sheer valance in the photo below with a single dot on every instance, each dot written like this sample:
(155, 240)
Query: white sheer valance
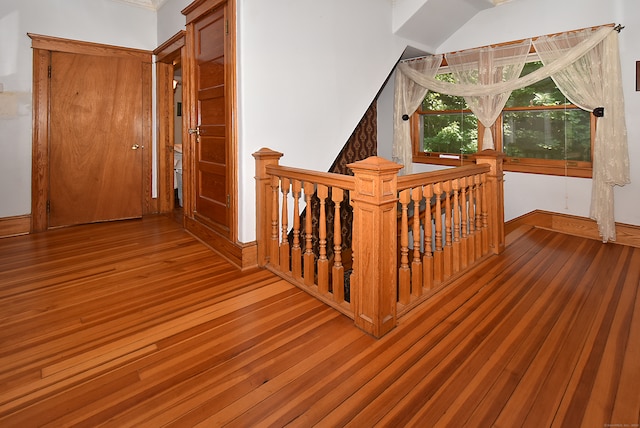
(487, 66)
(461, 90)
(567, 58)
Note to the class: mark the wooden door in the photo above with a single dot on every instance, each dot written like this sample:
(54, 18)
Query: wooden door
(96, 139)
(213, 149)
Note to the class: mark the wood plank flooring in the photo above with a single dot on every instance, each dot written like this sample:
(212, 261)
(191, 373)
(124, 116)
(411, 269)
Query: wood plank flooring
(136, 323)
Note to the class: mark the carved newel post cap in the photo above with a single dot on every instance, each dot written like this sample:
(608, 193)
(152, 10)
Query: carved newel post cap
(375, 163)
(267, 153)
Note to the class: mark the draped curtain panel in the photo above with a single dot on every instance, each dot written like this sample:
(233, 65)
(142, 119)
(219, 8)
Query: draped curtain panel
(587, 83)
(587, 58)
(409, 94)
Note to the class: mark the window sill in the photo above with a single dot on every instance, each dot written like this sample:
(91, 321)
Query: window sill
(443, 159)
(530, 166)
(556, 168)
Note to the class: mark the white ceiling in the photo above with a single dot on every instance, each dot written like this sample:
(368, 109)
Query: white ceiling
(434, 21)
(428, 26)
(147, 4)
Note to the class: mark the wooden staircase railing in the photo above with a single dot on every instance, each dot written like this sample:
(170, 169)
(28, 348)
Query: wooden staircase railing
(411, 235)
(461, 207)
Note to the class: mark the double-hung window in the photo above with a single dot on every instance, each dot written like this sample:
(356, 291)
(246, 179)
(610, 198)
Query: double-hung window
(539, 130)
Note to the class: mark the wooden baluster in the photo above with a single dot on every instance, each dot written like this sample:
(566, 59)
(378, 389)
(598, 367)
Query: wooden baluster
(296, 250)
(323, 262)
(438, 259)
(352, 262)
(478, 212)
(471, 247)
(416, 264)
(337, 272)
(448, 249)
(464, 242)
(274, 251)
(484, 214)
(427, 259)
(404, 286)
(455, 184)
(285, 264)
(309, 259)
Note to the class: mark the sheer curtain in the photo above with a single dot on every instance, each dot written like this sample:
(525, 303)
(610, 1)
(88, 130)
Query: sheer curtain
(408, 96)
(593, 81)
(486, 66)
(610, 160)
(463, 90)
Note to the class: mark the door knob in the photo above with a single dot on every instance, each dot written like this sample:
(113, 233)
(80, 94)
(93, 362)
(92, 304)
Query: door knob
(135, 147)
(195, 131)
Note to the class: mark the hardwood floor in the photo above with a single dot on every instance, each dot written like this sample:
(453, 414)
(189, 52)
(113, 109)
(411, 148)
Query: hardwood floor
(136, 323)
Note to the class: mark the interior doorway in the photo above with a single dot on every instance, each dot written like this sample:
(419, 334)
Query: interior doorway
(170, 114)
(178, 194)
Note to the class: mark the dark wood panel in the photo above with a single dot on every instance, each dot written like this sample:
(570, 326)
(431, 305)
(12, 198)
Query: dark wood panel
(213, 149)
(211, 74)
(136, 323)
(210, 40)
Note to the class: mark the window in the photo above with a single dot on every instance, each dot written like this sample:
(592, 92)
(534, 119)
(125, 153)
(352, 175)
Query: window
(447, 126)
(539, 130)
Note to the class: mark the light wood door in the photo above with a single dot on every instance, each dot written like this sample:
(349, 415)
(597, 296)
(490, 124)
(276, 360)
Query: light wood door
(96, 139)
(213, 146)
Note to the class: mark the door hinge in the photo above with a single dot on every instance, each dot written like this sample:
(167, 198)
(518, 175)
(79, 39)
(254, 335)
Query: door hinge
(49, 72)
(226, 27)
(48, 207)
(228, 201)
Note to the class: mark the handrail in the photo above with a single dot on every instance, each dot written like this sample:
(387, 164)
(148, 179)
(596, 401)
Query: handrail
(424, 178)
(346, 182)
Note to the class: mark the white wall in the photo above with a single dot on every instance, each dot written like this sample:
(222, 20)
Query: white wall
(170, 19)
(99, 21)
(528, 18)
(308, 71)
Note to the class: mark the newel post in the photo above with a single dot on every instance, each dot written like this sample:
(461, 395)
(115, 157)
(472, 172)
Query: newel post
(263, 158)
(375, 212)
(495, 197)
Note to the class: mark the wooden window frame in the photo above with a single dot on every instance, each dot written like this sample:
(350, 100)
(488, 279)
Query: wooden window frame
(557, 167)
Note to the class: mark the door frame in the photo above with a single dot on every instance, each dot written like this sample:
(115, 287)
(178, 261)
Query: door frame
(168, 56)
(42, 47)
(199, 8)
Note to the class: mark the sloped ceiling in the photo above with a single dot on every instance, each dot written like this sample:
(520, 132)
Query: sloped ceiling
(433, 21)
(426, 24)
